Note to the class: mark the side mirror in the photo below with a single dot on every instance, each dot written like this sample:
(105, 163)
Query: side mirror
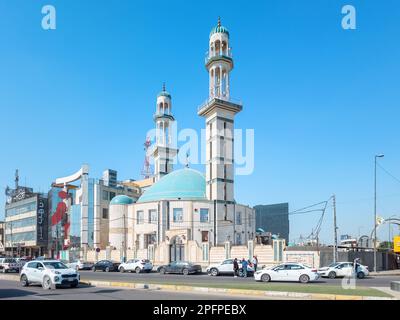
(40, 268)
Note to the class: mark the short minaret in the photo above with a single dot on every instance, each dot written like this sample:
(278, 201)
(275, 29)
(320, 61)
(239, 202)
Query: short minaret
(219, 112)
(163, 153)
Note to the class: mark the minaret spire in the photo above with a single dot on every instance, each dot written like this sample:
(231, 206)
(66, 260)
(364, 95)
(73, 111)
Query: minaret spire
(163, 153)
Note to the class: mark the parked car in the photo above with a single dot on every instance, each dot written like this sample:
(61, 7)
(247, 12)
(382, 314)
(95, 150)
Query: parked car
(287, 272)
(181, 267)
(106, 265)
(226, 267)
(48, 273)
(137, 265)
(21, 262)
(8, 264)
(80, 265)
(343, 269)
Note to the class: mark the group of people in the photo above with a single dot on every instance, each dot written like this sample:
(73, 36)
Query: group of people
(245, 263)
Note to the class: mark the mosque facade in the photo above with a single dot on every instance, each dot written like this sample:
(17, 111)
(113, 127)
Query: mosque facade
(185, 212)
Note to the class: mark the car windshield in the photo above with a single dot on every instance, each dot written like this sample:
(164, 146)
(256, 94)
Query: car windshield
(55, 265)
(10, 261)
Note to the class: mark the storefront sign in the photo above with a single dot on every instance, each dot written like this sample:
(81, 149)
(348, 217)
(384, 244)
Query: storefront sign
(41, 221)
(396, 244)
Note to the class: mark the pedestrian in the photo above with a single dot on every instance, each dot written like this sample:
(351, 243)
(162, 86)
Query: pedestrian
(244, 267)
(255, 263)
(235, 267)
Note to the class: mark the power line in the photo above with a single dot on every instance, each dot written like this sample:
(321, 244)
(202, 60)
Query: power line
(387, 172)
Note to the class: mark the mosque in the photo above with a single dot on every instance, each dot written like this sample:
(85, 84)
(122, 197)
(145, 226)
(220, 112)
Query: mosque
(185, 213)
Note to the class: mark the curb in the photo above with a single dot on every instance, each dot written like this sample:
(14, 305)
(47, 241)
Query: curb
(254, 293)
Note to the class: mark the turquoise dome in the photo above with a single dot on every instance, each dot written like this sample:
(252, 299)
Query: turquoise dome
(219, 29)
(165, 94)
(183, 184)
(122, 200)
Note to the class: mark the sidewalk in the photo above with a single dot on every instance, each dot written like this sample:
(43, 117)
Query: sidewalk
(386, 273)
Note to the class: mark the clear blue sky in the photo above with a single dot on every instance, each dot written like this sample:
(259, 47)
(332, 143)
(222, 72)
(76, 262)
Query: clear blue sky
(322, 100)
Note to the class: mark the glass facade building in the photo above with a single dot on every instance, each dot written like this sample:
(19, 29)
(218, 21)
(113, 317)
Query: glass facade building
(273, 218)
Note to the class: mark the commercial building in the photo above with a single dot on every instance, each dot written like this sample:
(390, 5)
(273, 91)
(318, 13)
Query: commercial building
(273, 218)
(185, 212)
(79, 213)
(2, 248)
(25, 221)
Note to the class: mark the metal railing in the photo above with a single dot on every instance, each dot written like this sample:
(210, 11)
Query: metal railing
(219, 53)
(210, 99)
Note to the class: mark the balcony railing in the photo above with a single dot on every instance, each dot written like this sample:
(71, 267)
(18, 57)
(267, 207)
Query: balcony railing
(217, 54)
(210, 99)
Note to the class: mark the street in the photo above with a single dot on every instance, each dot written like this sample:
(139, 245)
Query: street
(12, 290)
(154, 277)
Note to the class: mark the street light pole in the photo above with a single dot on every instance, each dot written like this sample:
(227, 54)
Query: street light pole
(376, 156)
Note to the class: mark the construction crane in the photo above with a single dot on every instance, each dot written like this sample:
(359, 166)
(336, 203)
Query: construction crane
(146, 172)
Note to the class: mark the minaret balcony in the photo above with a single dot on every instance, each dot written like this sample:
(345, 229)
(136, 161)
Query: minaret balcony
(162, 115)
(229, 104)
(225, 55)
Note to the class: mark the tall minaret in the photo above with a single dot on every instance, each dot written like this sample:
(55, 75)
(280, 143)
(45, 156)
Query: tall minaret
(163, 153)
(219, 112)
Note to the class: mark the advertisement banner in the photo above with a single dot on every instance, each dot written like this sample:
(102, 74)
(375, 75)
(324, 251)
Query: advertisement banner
(396, 244)
(41, 221)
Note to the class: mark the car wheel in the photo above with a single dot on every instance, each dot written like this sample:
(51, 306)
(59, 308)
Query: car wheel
(185, 272)
(332, 275)
(214, 272)
(240, 272)
(137, 270)
(360, 275)
(122, 270)
(46, 284)
(162, 271)
(94, 269)
(304, 278)
(24, 281)
(265, 277)
(107, 269)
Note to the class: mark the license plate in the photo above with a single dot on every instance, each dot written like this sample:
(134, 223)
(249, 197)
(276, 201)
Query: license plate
(71, 279)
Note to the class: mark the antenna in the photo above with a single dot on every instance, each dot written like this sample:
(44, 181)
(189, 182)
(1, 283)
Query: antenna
(16, 179)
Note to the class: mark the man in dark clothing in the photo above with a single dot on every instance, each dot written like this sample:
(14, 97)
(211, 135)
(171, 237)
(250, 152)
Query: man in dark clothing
(235, 267)
(244, 267)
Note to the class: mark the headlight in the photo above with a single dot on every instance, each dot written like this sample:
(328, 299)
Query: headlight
(56, 278)
(56, 272)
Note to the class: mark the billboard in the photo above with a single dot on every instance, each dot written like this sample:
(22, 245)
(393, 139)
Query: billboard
(396, 244)
(41, 221)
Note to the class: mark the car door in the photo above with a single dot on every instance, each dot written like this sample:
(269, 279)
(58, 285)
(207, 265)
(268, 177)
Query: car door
(347, 269)
(293, 272)
(32, 272)
(226, 266)
(40, 271)
(278, 273)
(171, 267)
(100, 265)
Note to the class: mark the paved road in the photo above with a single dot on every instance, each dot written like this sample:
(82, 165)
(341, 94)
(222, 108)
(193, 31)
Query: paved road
(153, 277)
(11, 290)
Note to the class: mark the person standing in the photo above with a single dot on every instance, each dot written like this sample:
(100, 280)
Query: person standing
(235, 267)
(244, 267)
(254, 261)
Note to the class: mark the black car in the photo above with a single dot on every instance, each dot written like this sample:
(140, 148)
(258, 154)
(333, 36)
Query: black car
(181, 267)
(106, 265)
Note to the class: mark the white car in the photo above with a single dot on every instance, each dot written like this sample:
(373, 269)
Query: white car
(343, 269)
(8, 264)
(136, 265)
(48, 273)
(80, 265)
(226, 267)
(287, 272)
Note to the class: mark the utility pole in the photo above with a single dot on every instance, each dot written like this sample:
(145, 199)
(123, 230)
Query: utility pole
(335, 230)
(376, 156)
(124, 248)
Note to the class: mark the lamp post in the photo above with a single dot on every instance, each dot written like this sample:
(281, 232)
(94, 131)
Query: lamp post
(376, 157)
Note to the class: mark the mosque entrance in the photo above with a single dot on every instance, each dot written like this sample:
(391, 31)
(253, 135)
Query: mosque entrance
(177, 249)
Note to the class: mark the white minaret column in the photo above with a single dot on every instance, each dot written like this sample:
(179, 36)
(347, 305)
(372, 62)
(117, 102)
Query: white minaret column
(219, 113)
(163, 152)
